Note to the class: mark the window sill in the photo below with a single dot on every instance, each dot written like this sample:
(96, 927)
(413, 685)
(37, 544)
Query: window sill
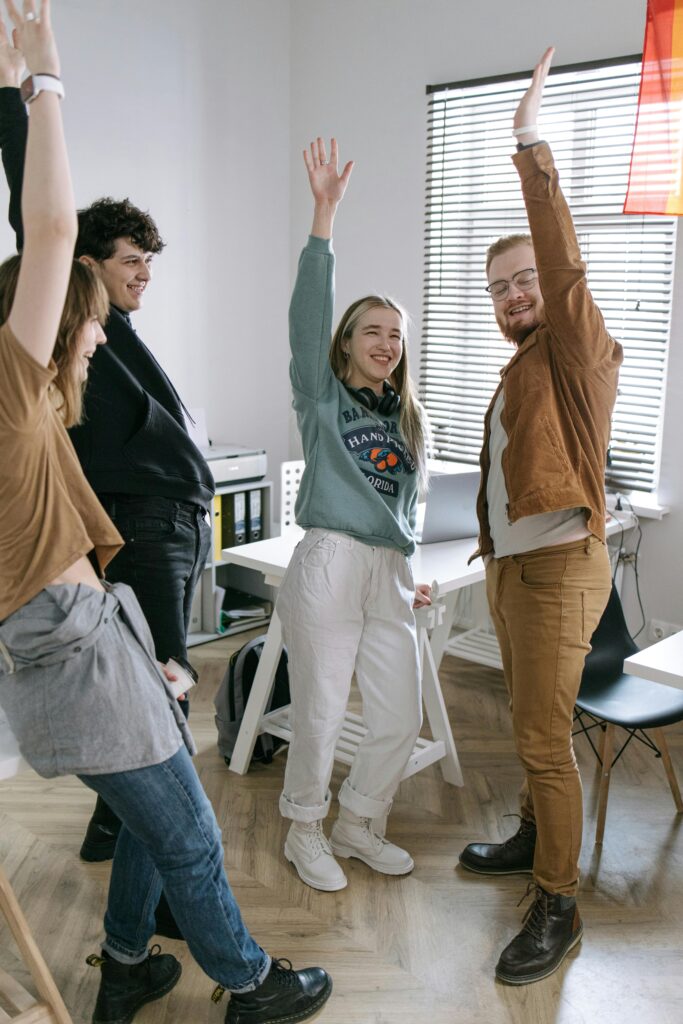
(644, 504)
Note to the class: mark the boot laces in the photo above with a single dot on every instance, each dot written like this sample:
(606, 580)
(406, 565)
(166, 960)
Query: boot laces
(316, 838)
(535, 921)
(522, 833)
(284, 974)
(377, 841)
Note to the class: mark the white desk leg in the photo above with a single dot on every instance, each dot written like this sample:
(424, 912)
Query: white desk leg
(442, 630)
(435, 706)
(261, 689)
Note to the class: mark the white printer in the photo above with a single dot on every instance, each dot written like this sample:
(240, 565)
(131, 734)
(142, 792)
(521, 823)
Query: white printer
(234, 464)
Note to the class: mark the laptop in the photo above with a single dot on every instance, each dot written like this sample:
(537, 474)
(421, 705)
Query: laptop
(450, 509)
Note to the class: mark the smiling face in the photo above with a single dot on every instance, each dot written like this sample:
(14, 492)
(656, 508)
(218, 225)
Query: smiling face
(88, 338)
(374, 349)
(521, 311)
(125, 274)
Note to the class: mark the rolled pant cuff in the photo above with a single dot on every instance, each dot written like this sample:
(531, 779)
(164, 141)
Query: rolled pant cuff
(297, 812)
(123, 956)
(362, 806)
(259, 978)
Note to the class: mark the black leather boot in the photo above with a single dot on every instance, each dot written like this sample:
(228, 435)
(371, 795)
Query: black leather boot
(101, 835)
(285, 997)
(124, 988)
(551, 928)
(514, 856)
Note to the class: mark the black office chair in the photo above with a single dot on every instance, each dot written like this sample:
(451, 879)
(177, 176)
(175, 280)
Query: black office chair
(609, 697)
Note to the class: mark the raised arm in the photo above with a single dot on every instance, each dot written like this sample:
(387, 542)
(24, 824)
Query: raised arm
(327, 185)
(47, 202)
(312, 306)
(577, 327)
(13, 127)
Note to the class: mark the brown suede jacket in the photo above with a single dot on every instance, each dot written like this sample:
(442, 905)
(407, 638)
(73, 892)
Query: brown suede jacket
(561, 384)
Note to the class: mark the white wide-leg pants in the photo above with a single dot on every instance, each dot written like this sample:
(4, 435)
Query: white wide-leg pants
(347, 606)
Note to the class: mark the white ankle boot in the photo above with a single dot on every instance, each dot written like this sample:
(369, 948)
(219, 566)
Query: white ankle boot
(353, 837)
(307, 848)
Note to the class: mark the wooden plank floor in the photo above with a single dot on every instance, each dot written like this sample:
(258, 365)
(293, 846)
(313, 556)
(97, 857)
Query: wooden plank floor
(421, 949)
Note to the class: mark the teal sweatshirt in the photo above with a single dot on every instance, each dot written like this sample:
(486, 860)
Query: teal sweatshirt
(359, 478)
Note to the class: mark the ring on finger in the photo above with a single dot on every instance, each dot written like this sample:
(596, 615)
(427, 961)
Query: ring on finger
(31, 16)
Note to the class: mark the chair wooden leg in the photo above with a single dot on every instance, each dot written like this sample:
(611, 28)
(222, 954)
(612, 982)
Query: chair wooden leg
(53, 1008)
(607, 753)
(668, 768)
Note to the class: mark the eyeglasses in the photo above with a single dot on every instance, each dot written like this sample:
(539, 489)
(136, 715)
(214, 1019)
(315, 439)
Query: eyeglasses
(522, 279)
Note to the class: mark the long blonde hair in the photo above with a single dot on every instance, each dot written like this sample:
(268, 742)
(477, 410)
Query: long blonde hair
(413, 418)
(86, 297)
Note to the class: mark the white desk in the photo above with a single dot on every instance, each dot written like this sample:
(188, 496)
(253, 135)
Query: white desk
(663, 662)
(443, 565)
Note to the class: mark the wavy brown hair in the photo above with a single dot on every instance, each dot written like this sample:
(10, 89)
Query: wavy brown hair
(504, 244)
(86, 298)
(413, 418)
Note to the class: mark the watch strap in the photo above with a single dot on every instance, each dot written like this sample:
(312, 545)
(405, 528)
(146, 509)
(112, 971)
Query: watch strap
(32, 86)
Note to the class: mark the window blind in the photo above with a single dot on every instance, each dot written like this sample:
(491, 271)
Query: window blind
(473, 196)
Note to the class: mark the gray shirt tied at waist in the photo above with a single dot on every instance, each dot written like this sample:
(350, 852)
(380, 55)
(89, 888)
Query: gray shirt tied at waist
(73, 662)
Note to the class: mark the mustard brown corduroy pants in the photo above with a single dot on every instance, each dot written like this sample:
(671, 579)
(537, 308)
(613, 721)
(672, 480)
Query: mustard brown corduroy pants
(545, 606)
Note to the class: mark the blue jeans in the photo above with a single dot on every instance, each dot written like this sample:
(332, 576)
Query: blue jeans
(171, 840)
(167, 544)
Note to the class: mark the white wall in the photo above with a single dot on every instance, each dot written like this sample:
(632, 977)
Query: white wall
(359, 71)
(185, 108)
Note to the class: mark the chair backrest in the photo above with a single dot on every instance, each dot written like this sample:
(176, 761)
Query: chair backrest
(290, 478)
(611, 644)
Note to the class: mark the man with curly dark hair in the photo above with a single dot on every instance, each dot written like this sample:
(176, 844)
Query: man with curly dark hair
(133, 443)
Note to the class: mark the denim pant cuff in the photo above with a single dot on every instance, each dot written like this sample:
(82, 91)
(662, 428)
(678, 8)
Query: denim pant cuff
(259, 978)
(124, 956)
(362, 806)
(296, 812)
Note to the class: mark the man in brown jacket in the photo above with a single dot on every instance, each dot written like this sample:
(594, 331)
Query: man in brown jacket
(542, 519)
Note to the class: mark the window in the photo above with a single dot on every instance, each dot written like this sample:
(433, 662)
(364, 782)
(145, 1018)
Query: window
(473, 197)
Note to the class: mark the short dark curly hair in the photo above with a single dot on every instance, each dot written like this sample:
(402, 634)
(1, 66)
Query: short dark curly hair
(106, 220)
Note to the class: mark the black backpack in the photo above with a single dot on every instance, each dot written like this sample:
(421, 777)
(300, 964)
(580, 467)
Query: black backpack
(233, 694)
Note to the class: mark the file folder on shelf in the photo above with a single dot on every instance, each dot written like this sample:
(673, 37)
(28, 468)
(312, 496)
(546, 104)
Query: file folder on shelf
(254, 516)
(240, 507)
(217, 528)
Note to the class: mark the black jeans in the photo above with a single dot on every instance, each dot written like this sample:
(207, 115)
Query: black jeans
(167, 544)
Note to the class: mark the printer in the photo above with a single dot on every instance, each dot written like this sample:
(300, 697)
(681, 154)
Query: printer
(234, 464)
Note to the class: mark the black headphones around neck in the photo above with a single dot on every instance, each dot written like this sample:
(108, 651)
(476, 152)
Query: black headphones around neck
(385, 404)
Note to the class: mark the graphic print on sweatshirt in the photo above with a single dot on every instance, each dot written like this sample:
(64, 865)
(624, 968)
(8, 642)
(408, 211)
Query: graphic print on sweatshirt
(382, 456)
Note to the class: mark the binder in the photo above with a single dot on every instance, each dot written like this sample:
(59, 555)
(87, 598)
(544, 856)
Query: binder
(217, 528)
(234, 521)
(254, 517)
(228, 521)
(240, 508)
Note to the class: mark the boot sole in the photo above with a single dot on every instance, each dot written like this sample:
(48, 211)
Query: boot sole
(321, 887)
(96, 853)
(528, 979)
(311, 1013)
(346, 852)
(495, 871)
(149, 998)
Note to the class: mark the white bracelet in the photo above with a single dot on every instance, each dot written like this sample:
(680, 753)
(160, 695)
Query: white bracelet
(523, 131)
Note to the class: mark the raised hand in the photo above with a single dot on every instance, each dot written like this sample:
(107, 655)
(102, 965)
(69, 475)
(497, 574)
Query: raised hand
(327, 185)
(33, 36)
(12, 63)
(526, 114)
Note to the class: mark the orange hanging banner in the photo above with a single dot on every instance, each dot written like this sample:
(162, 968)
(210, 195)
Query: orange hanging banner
(655, 182)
